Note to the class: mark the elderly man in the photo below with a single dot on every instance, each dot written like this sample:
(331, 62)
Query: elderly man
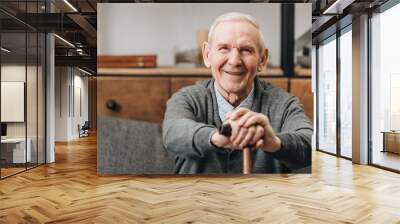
(269, 119)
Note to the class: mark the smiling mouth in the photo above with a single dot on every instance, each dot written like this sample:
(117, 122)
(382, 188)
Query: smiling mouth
(234, 72)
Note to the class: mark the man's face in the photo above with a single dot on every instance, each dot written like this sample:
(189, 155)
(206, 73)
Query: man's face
(234, 56)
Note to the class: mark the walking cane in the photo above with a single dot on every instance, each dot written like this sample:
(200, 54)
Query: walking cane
(226, 130)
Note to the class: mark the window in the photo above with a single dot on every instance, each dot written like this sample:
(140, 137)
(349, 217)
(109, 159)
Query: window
(327, 96)
(385, 89)
(22, 78)
(346, 93)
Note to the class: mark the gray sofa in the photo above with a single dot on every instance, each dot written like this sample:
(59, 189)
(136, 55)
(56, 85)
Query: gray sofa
(131, 147)
(134, 148)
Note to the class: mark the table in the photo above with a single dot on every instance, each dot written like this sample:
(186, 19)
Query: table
(391, 141)
(16, 147)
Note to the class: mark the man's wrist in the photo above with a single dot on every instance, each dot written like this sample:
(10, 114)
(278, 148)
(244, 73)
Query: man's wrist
(278, 144)
(275, 146)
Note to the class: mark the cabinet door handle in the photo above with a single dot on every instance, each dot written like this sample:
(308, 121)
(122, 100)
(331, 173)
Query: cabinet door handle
(112, 105)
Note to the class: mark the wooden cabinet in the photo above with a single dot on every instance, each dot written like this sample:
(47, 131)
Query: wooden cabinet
(143, 97)
(302, 89)
(280, 82)
(134, 98)
(180, 82)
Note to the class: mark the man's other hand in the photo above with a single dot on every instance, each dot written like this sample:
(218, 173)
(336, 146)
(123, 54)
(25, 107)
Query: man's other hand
(221, 141)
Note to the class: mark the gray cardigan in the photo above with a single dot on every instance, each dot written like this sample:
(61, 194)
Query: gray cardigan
(192, 115)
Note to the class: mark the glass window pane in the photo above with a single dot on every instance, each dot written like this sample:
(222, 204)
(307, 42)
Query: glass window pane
(346, 94)
(14, 148)
(22, 87)
(327, 97)
(385, 86)
(41, 97)
(32, 85)
(31, 96)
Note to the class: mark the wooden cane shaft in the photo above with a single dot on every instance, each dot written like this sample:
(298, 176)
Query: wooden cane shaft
(246, 161)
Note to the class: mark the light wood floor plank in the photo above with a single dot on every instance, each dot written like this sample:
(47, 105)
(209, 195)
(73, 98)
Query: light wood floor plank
(70, 191)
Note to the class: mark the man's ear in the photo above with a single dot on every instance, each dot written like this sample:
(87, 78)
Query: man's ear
(205, 51)
(263, 60)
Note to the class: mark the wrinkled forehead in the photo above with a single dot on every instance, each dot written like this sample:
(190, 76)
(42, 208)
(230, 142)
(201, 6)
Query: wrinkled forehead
(235, 31)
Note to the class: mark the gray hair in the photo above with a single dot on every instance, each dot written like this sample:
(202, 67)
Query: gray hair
(237, 16)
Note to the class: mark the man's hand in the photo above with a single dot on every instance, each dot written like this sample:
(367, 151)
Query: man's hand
(248, 126)
(244, 137)
(248, 136)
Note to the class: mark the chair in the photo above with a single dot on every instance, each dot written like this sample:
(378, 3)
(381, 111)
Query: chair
(84, 130)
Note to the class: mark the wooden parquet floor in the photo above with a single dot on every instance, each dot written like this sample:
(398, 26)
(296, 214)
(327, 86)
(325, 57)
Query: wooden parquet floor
(69, 191)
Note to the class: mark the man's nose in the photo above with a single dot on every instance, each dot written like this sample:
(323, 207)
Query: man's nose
(234, 57)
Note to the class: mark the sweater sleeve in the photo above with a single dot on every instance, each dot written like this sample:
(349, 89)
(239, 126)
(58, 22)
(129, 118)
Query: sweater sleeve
(296, 133)
(182, 134)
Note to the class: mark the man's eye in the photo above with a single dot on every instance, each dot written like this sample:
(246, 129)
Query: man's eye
(223, 49)
(246, 50)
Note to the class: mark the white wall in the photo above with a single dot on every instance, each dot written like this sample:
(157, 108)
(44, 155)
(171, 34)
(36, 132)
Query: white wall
(66, 119)
(302, 26)
(79, 117)
(165, 28)
(12, 73)
(61, 103)
(302, 19)
(33, 125)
